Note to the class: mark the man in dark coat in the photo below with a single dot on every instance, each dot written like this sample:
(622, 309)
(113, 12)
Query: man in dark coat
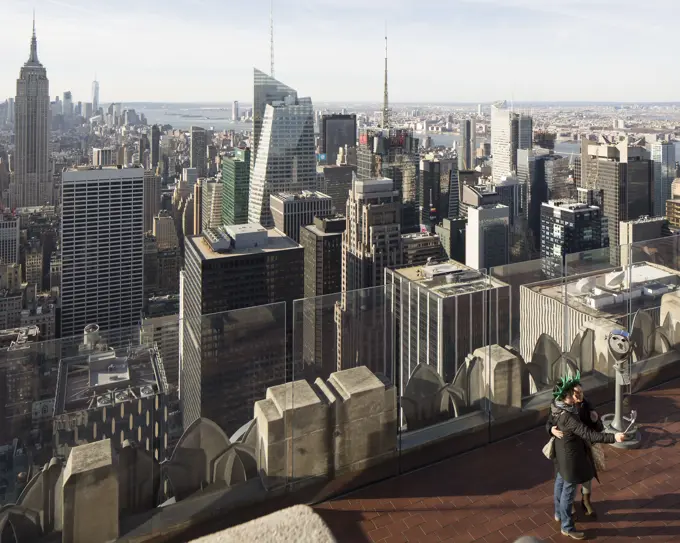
(591, 419)
(573, 460)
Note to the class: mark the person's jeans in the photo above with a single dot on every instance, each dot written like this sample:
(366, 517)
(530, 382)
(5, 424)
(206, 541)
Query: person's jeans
(564, 501)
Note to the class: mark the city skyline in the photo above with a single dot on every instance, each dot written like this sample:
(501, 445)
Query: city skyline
(301, 31)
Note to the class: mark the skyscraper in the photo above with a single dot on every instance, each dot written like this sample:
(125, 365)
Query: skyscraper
(503, 141)
(9, 238)
(152, 198)
(235, 267)
(322, 243)
(392, 154)
(95, 96)
(102, 246)
(371, 243)
(292, 211)
(569, 227)
(32, 181)
(155, 148)
(525, 132)
(286, 160)
(624, 174)
(234, 111)
(663, 156)
(199, 150)
(336, 132)
(372, 240)
(211, 204)
(266, 90)
(235, 188)
(68, 105)
(467, 145)
(487, 236)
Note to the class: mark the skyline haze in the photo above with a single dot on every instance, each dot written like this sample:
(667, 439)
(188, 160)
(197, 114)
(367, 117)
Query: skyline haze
(470, 50)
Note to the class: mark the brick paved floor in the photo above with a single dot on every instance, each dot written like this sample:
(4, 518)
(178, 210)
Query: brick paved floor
(504, 490)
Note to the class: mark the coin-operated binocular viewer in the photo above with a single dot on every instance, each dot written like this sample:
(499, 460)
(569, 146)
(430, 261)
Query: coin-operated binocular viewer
(621, 349)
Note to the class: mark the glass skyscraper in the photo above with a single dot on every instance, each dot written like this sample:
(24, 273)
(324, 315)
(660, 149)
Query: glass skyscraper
(286, 158)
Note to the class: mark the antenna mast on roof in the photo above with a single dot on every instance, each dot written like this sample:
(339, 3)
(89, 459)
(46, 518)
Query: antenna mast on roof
(385, 111)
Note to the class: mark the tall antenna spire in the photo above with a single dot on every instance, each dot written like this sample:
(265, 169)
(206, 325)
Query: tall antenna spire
(271, 37)
(33, 58)
(386, 110)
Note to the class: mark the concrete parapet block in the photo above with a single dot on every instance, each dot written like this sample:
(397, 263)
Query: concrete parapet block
(603, 361)
(90, 494)
(299, 524)
(293, 428)
(365, 419)
(504, 377)
(670, 317)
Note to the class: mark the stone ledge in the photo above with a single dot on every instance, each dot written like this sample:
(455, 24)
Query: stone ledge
(299, 523)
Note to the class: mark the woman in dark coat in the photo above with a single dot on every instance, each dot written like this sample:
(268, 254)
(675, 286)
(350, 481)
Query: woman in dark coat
(573, 460)
(591, 419)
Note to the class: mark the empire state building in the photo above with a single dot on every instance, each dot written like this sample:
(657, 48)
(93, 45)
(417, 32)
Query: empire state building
(32, 184)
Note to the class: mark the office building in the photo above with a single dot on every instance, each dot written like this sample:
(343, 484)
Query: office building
(68, 105)
(372, 240)
(615, 295)
(370, 244)
(238, 267)
(503, 141)
(648, 229)
(155, 149)
(197, 215)
(625, 176)
(19, 383)
(152, 198)
(104, 156)
(467, 144)
(443, 312)
(292, 211)
(421, 247)
(451, 234)
(487, 236)
(322, 243)
(336, 181)
(569, 227)
(9, 238)
(236, 187)
(525, 132)
(102, 248)
(110, 393)
(95, 97)
(337, 131)
(33, 263)
(164, 231)
(160, 328)
(392, 154)
(663, 157)
(234, 111)
(32, 185)
(673, 205)
(286, 159)
(429, 195)
(211, 204)
(190, 177)
(266, 90)
(199, 151)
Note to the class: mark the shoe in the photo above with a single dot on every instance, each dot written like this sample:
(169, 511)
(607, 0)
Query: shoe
(557, 518)
(587, 506)
(574, 534)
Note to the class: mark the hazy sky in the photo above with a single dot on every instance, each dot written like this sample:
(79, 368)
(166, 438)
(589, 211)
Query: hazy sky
(332, 50)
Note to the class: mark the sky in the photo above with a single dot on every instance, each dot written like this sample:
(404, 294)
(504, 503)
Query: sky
(333, 50)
